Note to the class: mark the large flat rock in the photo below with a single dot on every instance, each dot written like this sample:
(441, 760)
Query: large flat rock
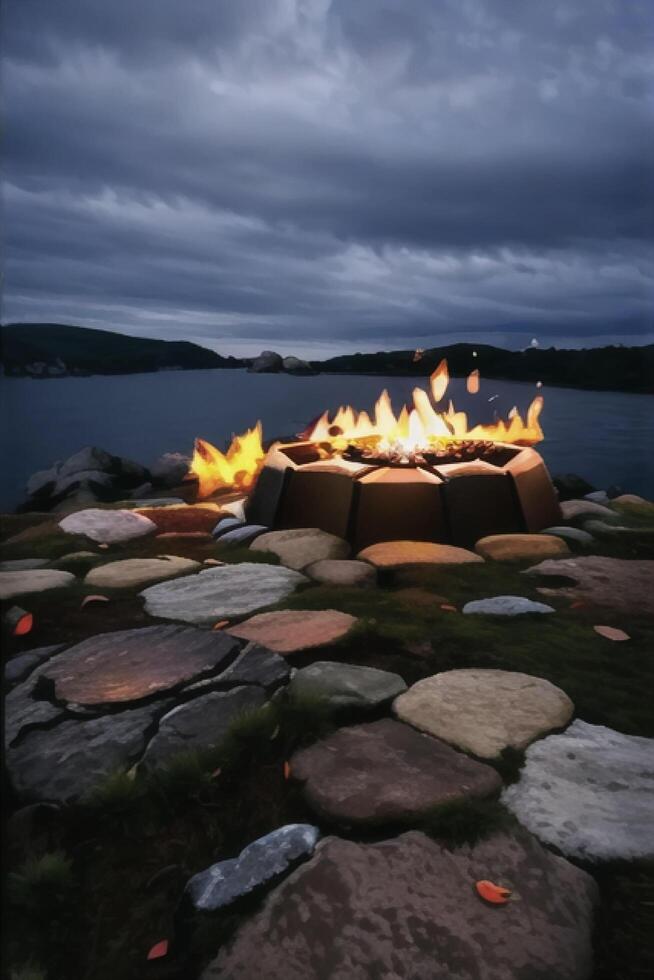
(517, 547)
(626, 586)
(589, 792)
(384, 772)
(300, 547)
(201, 723)
(221, 593)
(406, 909)
(291, 630)
(346, 685)
(395, 554)
(129, 665)
(108, 526)
(259, 865)
(484, 711)
(131, 573)
(67, 761)
(29, 581)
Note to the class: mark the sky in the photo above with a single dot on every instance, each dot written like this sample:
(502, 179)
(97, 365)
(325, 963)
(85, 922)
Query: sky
(324, 176)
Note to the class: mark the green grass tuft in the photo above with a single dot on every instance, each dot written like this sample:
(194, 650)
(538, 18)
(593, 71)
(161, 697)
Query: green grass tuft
(466, 822)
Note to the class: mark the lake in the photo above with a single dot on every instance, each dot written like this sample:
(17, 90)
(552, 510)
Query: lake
(607, 437)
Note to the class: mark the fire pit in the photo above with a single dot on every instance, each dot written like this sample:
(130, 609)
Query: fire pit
(423, 475)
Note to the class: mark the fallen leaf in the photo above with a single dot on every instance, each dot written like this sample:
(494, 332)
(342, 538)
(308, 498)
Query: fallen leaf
(220, 625)
(578, 604)
(472, 383)
(611, 633)
(104, 546)
(448, 607)
(159, 950)
(213, 561)
(495, 894)
(287, 770)
(216, 773)
(275, 733)
(93, 598)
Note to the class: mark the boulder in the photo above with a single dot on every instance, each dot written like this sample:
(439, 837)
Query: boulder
(484, 711)
(221, 593)
(346, 685)
(385, 772)
(130, 665)
(100, 485)
(517, 547)
(626, 586)
(201, 723)
(505, 605)
(132, 573)
(394, 554)
(170, 469)
(290, 630)
(41, 484)
(259, 865)
(33, 580)
(340, 572)
(300, 547)
(574, 534)
(406, 909)
(89, 458)
(588, 792)
(268, 362)
(108, 526)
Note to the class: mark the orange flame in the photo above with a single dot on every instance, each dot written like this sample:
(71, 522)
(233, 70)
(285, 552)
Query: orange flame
(418, 428)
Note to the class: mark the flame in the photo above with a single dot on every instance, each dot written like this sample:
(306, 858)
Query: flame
(238, 467)
(418, 428)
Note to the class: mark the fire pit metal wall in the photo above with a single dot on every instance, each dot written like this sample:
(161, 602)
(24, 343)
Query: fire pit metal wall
(456, 503)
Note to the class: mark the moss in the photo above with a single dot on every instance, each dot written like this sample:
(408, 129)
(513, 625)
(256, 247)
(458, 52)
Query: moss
(466, 822)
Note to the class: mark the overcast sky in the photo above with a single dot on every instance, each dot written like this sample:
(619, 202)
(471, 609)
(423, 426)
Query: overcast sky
(318, 177)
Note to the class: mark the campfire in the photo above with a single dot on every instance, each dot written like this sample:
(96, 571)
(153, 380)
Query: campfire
(423, 474)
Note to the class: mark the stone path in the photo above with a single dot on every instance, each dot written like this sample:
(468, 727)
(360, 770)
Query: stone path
(626, 586)
(135, 572)
(484, 711)
(346, 685)
(589, 792)
(407, 908)
(384, 772)
(302, 547)
(221, 593)
(395, 554)
(108, 526)
(291, 630)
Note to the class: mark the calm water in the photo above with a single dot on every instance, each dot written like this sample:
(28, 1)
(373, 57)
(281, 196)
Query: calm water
(608, 437)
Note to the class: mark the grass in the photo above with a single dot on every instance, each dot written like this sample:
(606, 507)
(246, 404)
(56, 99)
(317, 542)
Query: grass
(466, 822)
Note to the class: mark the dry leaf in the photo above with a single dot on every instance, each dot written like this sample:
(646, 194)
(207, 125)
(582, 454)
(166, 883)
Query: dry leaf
(159, 950)
(287, 770)
(495, 894)
(448, 607)
(472, 383)
(611, 633)
(103, 545)
(93, 598)
(220, 625)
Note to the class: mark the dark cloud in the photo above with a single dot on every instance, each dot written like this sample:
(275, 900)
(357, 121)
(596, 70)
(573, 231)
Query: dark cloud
(314, 174)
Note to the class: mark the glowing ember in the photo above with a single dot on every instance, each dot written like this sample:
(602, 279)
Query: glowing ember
(405, 438)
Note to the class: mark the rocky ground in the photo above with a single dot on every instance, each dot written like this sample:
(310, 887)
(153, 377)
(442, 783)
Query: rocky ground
(236, 753)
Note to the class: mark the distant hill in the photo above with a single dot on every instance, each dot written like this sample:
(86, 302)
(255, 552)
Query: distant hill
(601, 368)
(47, 350)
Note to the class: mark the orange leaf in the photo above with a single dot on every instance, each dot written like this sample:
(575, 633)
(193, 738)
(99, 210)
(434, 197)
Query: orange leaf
(220, 625)
(24, 624)
(611, 633)
(103, 545)
(448, 607)
(159, 950)
(495, 894)
(93, 598)
(578, 604)
(216, 773)
(287, 771)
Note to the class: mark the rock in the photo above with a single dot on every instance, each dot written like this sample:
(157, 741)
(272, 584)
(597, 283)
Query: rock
(67, 761)
(138, 503)
(243, 535)
(108, 526)
(201, 723)
(346, 685)
(134, 572)
(89, 458)
(302, 546)
(295, 365)
(256, 665)
(23, 564)
(170, 469)
(235, 507)
(30, 829)
(631, 498)
(268, 362)
(393, 554)
(226, 524)
(101, 485)
(334, 571)
(516, 547)
(571, 486)
(385, 772)
(573, 509)
(588, 792)
(612, 583)
(41, 484)
(19, 667)
(27, 707)
(260, 864)
(291, 630)
(34, 580)
(221, 593)
(505, 605)
(600, 529)
(182, 518)
(574, 534)
(73, 557)
(484, 711)
(597, 497)
(129, 665)
(406, 909)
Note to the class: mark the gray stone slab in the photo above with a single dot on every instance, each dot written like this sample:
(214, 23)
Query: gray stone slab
(574, 534)
(346, 685)
(506, 605)
(108, 526)
(19, 667)
(33, 580)
(243, 535)
(23, 564)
